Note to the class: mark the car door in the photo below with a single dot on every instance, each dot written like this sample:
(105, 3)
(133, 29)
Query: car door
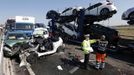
(70, 30)
(66, 29)
(93, 10)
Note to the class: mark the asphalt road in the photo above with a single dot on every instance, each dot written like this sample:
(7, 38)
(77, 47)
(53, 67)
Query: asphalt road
(69, 63)
(48, 66)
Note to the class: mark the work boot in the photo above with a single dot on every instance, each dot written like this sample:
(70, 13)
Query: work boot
(97, 65)
(102, 65)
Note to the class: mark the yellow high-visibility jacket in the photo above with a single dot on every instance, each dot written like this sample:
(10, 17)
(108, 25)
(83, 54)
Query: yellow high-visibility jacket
(86, 45)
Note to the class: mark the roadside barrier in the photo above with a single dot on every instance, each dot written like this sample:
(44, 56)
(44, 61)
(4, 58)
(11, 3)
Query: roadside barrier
(1, 54)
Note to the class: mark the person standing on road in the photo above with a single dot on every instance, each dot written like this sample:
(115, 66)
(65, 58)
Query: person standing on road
(86, 47)
(101, 52)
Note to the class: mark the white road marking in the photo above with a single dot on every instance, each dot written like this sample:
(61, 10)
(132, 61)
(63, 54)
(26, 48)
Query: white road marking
(73, 70)
(59, 67)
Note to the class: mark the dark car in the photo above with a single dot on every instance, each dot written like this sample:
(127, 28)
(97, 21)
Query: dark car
(96, 30)
(12, 41)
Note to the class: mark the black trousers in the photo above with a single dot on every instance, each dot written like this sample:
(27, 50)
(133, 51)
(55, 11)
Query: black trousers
(86, 60)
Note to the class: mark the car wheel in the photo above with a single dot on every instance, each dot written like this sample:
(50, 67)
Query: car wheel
(74, 12)
(52, 14)
(104, 11)
(131, 16)
(131, 22)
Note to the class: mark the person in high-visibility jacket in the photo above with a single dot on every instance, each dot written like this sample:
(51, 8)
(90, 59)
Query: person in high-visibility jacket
(101, 52)
(87, 49)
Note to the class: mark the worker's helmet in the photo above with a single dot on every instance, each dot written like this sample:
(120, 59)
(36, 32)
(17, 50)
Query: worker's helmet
(103, 37)
(87, 35)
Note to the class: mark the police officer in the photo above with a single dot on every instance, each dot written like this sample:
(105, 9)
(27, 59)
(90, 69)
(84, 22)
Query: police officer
(86, 47)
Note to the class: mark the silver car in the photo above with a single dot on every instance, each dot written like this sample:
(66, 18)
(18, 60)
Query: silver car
(128, 15)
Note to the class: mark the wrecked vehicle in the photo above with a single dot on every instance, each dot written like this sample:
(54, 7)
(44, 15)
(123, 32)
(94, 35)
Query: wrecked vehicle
(12, 42)
(26, 53)
(45, 45)
(43, 32)
(17, 44)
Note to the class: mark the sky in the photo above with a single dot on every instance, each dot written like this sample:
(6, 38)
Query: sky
(39, 8)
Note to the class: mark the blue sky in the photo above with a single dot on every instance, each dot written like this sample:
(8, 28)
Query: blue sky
(39, 8)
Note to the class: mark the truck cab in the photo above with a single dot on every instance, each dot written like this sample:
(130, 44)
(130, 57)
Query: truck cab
(21, 23)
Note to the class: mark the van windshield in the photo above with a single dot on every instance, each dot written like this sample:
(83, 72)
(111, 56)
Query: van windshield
(24, 26)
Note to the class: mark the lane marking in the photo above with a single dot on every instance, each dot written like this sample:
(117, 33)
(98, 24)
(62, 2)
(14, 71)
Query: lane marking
(73, 70)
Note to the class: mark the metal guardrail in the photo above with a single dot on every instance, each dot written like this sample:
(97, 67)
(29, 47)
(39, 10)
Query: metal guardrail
(1, 54)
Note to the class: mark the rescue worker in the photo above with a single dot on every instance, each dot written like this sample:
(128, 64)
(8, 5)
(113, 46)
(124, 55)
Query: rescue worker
(101, 52)
(86, 47)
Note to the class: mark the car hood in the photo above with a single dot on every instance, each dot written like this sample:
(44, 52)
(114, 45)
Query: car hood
(13, 42)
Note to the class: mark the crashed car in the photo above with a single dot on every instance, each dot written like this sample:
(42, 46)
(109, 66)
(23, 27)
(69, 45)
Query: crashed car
(43, 32)
(45, 45)
(12, 41)
(101, 9)
(70, 30)
(30, 53)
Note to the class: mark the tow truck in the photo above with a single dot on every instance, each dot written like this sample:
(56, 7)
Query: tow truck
(82, 23)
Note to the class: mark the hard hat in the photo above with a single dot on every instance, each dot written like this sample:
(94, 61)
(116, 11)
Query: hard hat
(87, 35)
(103, 36)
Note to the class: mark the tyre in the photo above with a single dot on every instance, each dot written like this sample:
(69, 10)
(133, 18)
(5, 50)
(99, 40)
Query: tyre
(131, 22)
(104, 11)
(52, 14)
(74, 12)
(131, 16)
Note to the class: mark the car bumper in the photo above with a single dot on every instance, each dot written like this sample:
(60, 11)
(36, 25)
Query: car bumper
(112, 12)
